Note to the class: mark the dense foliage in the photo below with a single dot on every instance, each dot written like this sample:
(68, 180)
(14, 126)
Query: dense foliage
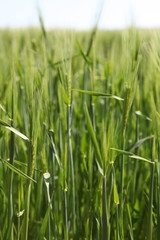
(79, 134)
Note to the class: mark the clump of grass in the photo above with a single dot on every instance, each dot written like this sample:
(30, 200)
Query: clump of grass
(68, 84)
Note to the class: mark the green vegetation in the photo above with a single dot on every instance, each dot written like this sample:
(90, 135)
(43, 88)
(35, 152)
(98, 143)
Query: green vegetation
(79, 134)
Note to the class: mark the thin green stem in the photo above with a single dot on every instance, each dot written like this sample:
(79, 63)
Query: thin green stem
(149, 232)
(28, 192)
(122, 184)
(105, 223)
(158, 195)
(66, 215)
(72, 165)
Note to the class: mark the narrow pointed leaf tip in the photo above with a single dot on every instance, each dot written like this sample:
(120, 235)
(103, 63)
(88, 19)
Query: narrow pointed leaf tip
(12, 129)
(16, 170)
(84, 55)
(99, 168)
(98, 94)
(117, 98)
(1, 107)
(139, 143)
(139, 113)
(131, 155)
(122, 151)
(18, 133)
(141, 158)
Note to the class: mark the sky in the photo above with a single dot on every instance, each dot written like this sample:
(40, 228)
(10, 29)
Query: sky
(80, 14)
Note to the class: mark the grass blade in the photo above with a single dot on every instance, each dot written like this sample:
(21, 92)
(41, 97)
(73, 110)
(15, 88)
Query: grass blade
(98, 94)
(142, 115)
(139, 143)
(131, 155)
(12, 129)
(17, 133)
(85, 57)
(92, 135)
(44, 222)
(16, 170)
(57, 63)
(122, 151)
(151, 190)
(141, 158)
(116, 198)
(3, 109)
(51, 134)
(130, 222)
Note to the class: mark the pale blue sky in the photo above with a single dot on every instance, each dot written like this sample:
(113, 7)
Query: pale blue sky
(80, 14)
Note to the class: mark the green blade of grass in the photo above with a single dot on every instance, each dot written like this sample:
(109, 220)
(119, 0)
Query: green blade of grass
(130, 222)
(131, 155)
(45, 221)
(98, 94)
(100, 168)
(17, 133)
(105, 221)
(57, 63)
(16, 170)
(12, 129)
(139, 143)
(3, 109)
(42, 25)
(2, 123)
(116, 198)
(95, 28)
(51, 133)
(122, 151)
(142, 115)
(127, 105)
(94, 140)
(141, 158)
(93, 34)
(158, 213)
(60, 75)
(151, 192)
(85, 57)
(21, 164)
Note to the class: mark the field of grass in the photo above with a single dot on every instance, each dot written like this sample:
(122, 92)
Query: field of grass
(79, 134)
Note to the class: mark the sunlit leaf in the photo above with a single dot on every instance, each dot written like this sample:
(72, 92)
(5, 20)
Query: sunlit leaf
(98, 94)
(142, 115)
(12, 129)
